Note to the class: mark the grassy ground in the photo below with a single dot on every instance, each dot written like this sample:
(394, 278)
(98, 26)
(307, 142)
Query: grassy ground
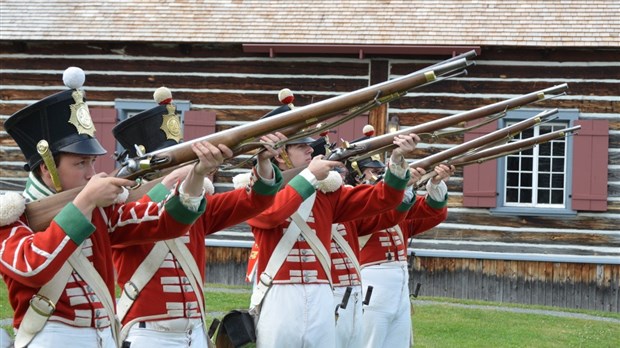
(458, 323)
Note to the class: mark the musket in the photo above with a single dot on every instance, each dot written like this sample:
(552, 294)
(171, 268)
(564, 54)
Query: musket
(489, 140)
(492, 153)
(486, 141)
(242, 138)
(430, 129)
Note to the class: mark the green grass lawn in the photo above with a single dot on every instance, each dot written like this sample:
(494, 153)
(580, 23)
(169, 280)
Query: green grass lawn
(443, 324)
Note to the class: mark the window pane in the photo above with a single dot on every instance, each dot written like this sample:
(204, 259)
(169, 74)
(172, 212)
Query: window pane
(526, 163)
(544, 149)
(559, 148)
(512, 195)
(528, 152)
(544, 180)
(513, 163)
(528, 133)
(544, 164)
(558, 165)
(543, 196)
(557, 181)
(526, 196)
(512, 179)
(526, 179)
(557, 197)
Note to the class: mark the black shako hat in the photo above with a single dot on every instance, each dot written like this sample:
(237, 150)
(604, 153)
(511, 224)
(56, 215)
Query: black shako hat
(152, 129)
(62, 119)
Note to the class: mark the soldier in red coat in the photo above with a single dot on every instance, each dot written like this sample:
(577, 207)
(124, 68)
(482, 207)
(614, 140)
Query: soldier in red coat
(162, 303)
(61, 279)
(293, 292)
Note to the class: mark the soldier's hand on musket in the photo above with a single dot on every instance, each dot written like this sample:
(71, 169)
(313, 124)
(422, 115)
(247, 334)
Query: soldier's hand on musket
(321, 168)
(264, 167)
(443, 173)
(416, 174)
(269, 140)
(100, 191)
(406, 143)
(210, 157)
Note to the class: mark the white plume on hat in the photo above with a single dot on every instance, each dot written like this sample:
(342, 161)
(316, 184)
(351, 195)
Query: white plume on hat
(74, 77)
(162, 94)
(13, 206)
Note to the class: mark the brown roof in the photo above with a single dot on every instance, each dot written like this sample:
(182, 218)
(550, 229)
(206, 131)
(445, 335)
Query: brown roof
(591, 23)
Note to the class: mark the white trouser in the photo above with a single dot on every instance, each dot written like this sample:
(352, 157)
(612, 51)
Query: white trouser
(55, 334)
(349, 322)
(387, 317)
(295, 315)
(176, 333)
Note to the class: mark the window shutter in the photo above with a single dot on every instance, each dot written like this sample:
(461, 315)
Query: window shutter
(198, 123)
(104, 120)
(590, 162)
(349, 130)
(480, 180)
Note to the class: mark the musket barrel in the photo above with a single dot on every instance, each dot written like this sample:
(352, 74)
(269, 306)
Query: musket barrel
(505, 132)
(435, 125)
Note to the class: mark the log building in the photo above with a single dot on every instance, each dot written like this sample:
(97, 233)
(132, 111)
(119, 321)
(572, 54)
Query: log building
(541, 227)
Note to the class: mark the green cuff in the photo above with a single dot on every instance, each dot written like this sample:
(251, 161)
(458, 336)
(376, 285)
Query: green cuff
(403, 207)
(158, 193)
(436, 205)
(302, 186)
(396, 182)
(262, 188)
(74, 223)
(180, 213)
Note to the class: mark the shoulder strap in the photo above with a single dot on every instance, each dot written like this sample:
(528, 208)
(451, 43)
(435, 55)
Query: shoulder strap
(344, 245)
(48, 295)
(89, 274)
(278, 256)
(142, 275)
(315, 244)
(189, 266)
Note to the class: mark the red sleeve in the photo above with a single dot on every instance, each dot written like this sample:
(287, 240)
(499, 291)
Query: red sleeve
(33, 258)
(233, 207)
(365, 200)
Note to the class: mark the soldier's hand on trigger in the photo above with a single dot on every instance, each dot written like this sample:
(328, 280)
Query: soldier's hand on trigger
(416, 174)
(100, 191)
(210, 157)
(406, 143)
(321, 168)
(270, 140)
(443, 173)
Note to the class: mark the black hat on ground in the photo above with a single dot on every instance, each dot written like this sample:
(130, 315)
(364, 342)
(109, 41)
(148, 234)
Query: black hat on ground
(152, 129)
(62, 119)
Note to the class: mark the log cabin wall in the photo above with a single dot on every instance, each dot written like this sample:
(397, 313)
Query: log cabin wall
(475, 253)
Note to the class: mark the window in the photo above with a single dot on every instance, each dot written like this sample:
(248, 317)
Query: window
(536, 180)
